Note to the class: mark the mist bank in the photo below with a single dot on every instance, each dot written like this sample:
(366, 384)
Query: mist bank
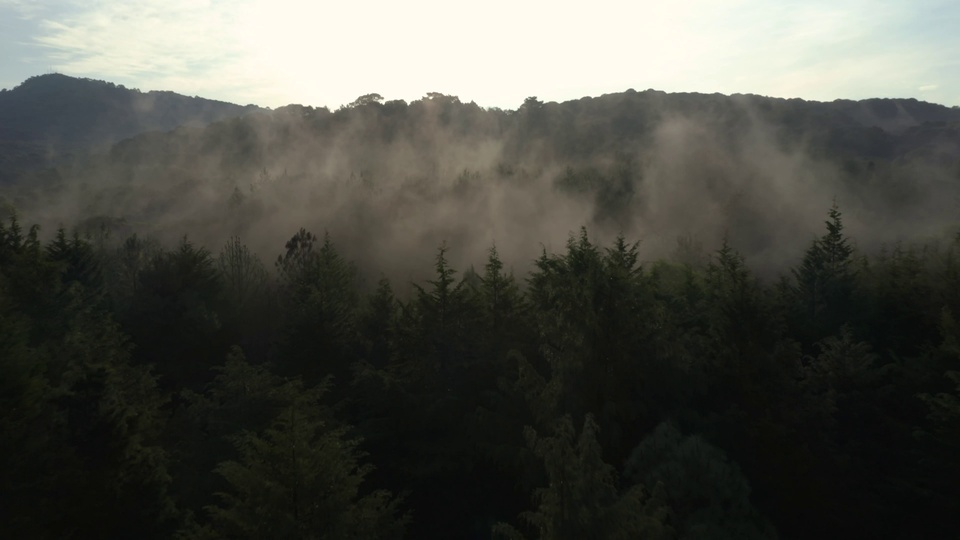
(390, 181)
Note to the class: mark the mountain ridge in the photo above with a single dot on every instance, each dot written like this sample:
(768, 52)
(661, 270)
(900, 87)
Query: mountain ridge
(51, 118)
(652, 164)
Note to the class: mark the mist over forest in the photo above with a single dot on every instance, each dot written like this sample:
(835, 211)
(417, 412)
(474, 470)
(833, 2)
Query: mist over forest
(637, 315)
(389, 179)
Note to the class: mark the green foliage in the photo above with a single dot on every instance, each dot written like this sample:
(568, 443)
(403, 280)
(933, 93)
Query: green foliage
(436, 328)
(742, 336)
(244, 278)
(318, 292)
(295, 473)
(594, 314)
(366, 99)
(843, 365)
(112, 422)
(465, 394)
(123, 268)
(79, 263)
(939, 433)
(179, 293)
(81, 424)
(824, 281)
(582, 499)
(903, 308)
(707, 496)
(499, 295)
(301, 479)
(378, 325)
(566, 293)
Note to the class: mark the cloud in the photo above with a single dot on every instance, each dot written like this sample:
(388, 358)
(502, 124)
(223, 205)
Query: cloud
(24, 9)
(184, 45)
(928, 87)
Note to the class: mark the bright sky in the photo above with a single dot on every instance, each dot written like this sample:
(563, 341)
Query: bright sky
(495, 52)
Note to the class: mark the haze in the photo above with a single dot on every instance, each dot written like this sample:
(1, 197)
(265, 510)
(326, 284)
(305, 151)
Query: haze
(326, 54)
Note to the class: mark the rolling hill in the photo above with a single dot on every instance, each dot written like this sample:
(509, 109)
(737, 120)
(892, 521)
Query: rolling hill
(53, 118)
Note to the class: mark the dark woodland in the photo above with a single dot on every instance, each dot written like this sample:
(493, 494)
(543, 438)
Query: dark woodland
(643, 315)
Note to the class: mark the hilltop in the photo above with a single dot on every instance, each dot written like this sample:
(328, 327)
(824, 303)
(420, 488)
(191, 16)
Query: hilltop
(650, 164)
(50, 118)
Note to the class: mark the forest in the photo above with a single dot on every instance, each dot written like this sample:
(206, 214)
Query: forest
(153, 392)
(639, 315)
(392, 180)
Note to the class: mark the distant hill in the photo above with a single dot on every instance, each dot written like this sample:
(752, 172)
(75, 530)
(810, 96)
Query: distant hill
(378, 174)
(438, 132)
(50, 118)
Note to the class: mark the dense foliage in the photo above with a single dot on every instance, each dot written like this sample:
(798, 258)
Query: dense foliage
(158, 393)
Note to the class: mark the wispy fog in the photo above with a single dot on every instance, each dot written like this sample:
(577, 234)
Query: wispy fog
(393, 181)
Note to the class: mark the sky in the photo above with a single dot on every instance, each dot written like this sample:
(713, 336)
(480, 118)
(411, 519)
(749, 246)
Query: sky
(495, 53)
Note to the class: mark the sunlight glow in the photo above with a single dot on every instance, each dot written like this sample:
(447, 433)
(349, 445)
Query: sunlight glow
(326, 53)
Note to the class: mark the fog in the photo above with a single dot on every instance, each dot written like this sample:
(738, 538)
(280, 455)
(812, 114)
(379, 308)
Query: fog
(391, 182)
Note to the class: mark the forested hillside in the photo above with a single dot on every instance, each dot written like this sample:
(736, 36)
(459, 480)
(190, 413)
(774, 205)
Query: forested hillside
(155, 392)
(54, 118)
(640, 315)
(390, 178)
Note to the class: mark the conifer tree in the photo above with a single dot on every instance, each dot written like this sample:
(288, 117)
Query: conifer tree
(939, 436)
(378, 325)
(296, 473)
(501, 324)
(300, 479)
(742, 334)
(112, 420)
(824, 281)
(90, 446)
(592, 314)
(251, 316)
(318, 291)
(582, 499)
(78, 262)
(441, 319)
(178, 294)
(244, 277)
(499, 294)
(122, 270)
(706, 494)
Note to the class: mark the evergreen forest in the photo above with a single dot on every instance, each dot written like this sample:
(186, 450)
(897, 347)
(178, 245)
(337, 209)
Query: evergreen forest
(155, 391)
(642, 315)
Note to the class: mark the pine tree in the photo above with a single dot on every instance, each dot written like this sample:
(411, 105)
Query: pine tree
(25, 414)
(582, 499)
(83, 429)
(178, 294)
(939, 436)
(707, 495)
(122, 270)
(318, 292)
(499, 294)
(824, 281)
(79, 263)
(739, 364)
(293, 471)
(592, 310)
(378, 325)
(442, 318)
(251, 316)
(300, 477)
(116, 477)
(244, 277)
